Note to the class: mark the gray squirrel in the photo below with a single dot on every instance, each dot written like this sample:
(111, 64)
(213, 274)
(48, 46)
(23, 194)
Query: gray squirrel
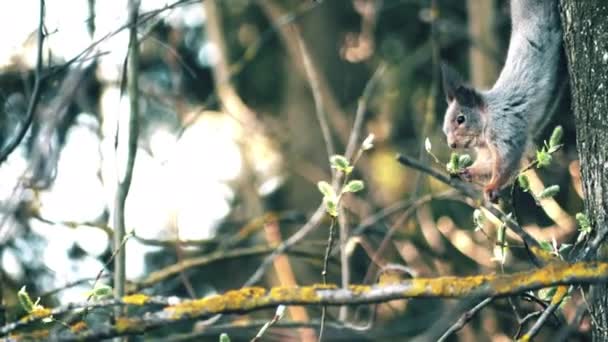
(499, 122)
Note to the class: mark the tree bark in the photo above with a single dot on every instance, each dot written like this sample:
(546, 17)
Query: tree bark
(585, 25)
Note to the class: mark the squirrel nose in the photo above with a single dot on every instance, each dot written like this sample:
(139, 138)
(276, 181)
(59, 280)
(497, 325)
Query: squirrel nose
(453, 145)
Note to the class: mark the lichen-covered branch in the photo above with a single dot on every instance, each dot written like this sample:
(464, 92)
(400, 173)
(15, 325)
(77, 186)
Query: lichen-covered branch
(256, 298)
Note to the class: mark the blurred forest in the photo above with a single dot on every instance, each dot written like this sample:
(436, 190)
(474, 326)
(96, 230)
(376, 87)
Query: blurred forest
(241, 105)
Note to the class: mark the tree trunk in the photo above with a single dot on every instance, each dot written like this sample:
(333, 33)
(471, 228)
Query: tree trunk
(482, 50)
(585, 24)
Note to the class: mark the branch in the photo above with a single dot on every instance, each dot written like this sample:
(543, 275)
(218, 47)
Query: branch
(540, 256)
(124, 180)
(466, 317)
(255, 298)
(35, 98)
(186, 264)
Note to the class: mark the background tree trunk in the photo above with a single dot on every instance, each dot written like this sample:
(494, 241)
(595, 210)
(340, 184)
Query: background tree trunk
(483, 46)
(585, 24)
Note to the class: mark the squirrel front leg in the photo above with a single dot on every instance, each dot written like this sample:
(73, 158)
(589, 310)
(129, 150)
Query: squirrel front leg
(482, 167)
(505, 162)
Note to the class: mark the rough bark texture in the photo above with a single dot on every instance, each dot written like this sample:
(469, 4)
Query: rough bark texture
(585, 24)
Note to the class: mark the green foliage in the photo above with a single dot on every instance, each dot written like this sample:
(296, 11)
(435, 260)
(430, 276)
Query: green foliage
(353, 186)
(326, 189)
(26, 301)
(584, 226)
(464, 161)
(331, 206)
(543, 158)
(549, 192)
(452, 165)
(524, 182)
(340, 163)
(100, 291)
(331, 199)
(458, 162)
(556, 138)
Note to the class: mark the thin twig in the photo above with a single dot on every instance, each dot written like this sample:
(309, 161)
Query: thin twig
(541, 321)
(465, 318)
(330, 242)
(124, 180)
(313, 80)
(351, 147)
(35, 97)
(301, 233)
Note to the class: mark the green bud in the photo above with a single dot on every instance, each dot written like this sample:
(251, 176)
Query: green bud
(326, 189)
(25, 300)
(524, 182)
(452, 166)
(340, 162)
(331, 206)
(583, 223)
(556, 136)
(354, 186)
(224, 337)
(368, 143)
(543, 158)
(464, 161)
(549, 192)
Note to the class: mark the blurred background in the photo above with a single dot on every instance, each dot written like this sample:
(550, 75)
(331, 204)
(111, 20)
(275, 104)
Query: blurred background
(230, 150)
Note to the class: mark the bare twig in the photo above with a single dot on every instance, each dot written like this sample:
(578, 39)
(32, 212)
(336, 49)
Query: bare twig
(35, 97)
(124, 180)
(313, 80)
(330, 242)
(351, 147)
(541, 321)
(313, 223)
(277, 316)
(465, 318)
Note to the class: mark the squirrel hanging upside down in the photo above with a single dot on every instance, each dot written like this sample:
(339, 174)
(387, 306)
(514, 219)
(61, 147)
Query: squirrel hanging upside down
(499, 122)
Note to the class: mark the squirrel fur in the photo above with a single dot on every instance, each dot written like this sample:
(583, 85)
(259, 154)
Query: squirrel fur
(499, 122)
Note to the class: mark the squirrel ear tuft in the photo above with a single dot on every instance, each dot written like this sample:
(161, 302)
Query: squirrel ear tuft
(451, 81)
(468, 97)
(455, 88)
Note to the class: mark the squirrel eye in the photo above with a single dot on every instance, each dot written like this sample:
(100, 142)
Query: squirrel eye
(460, 119)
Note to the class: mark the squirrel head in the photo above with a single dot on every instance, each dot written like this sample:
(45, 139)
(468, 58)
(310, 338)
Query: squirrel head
(464, 119)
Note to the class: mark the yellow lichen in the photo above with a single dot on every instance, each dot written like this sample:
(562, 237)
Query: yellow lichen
(136, 299)
(243, 298)
(324, 286)
(124, 324)
(38, 312)
(35, 335)
(359, 289)
(78, 327)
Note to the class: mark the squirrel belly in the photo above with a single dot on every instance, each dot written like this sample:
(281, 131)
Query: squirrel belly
(499, 122)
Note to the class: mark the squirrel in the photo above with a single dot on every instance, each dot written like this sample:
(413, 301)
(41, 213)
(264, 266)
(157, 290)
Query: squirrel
(499, 122)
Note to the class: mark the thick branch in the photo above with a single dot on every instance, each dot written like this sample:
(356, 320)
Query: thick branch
(255, 298)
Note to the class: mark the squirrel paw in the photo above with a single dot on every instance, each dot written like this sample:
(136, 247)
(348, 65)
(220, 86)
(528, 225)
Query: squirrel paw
(491, 194)
(465, 174)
